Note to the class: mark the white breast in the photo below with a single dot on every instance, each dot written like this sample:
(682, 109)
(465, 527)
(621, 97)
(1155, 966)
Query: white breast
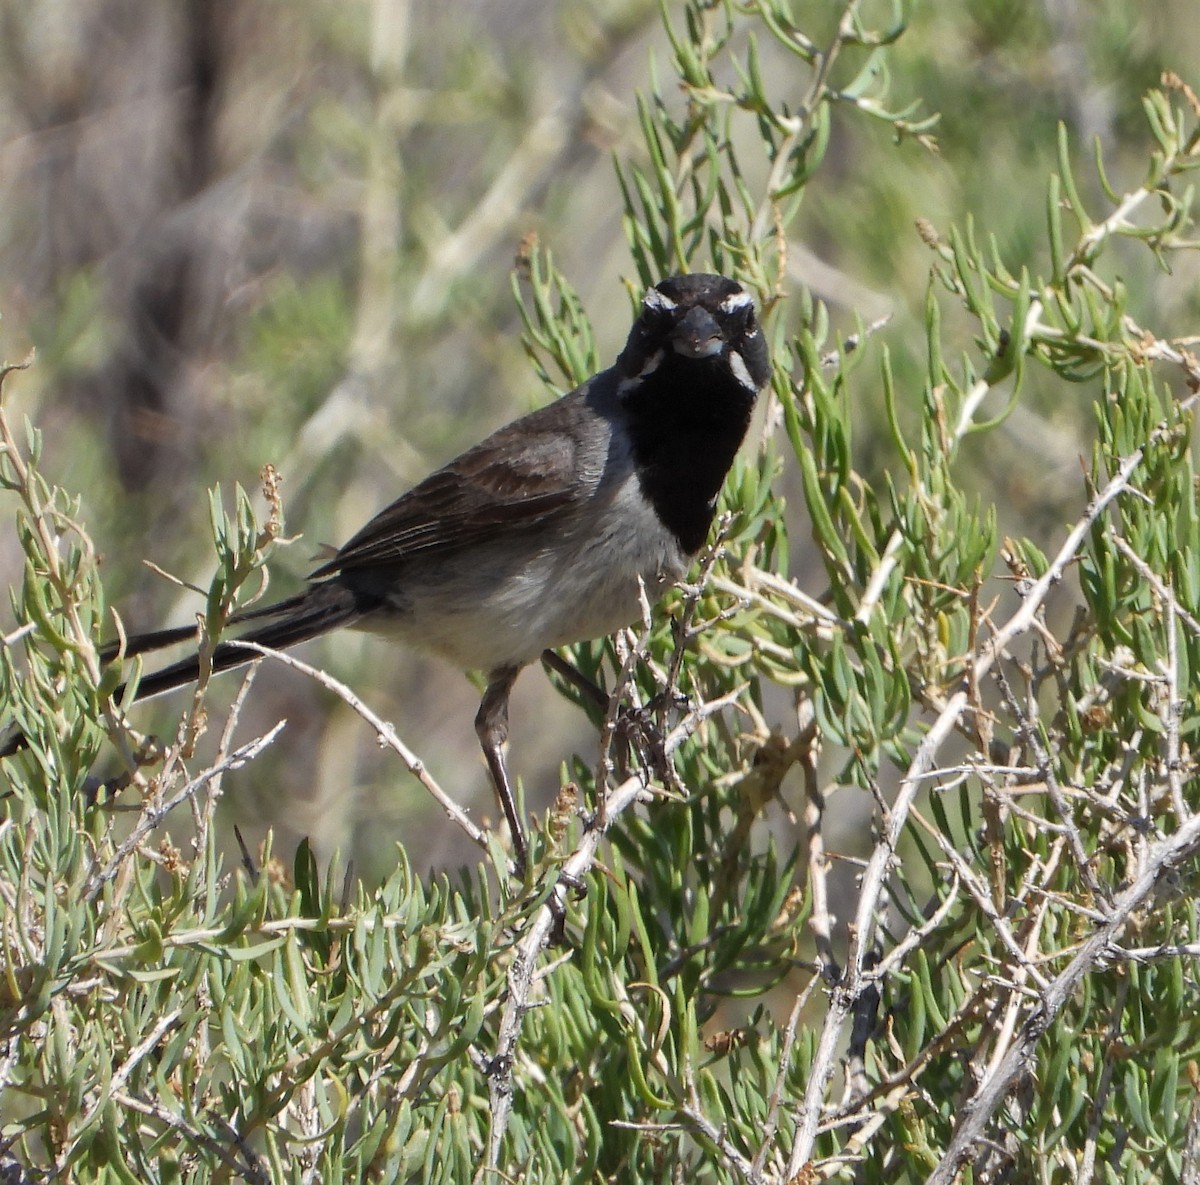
(575, 581)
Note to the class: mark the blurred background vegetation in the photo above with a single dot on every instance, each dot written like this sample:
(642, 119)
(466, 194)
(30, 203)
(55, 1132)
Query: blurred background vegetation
(253, 232)
(256, 233)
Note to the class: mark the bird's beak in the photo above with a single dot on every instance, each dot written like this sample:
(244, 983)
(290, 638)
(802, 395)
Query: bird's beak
(697, 335)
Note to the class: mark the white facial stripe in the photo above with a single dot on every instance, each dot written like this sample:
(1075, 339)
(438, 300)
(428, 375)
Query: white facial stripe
(648, 368)
(738, 300)
(657, 301)
(740, 371)
(651, 364)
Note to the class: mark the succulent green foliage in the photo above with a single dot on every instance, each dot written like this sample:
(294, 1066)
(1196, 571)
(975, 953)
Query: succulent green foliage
(995, 734)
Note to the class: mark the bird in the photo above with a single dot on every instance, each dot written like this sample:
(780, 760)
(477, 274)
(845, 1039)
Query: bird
(545, 533)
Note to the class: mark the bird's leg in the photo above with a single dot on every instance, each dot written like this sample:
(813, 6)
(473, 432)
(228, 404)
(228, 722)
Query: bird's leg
(573, 675)
(633, 724)
(491, 726)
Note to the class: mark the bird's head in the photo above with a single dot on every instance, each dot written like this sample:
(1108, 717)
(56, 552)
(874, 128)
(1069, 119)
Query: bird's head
(699, 319)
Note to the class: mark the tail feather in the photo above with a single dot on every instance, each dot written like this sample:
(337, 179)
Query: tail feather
(316, 611)
(161, 639)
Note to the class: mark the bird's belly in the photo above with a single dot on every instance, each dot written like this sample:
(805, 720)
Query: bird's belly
(512, 601)
(548, 603)
(516, 625)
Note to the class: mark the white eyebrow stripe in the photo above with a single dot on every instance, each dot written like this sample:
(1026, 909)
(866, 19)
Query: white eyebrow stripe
(735, 301)
(658, 301)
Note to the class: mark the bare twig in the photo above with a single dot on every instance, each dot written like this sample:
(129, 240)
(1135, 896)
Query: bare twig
(203, 817)
(152, 817)
(1028, 731)
(765, 216)
(521, 970)
(833, 358)
(385, 732)
(771, 1124)
(845, 994)
(1151, 577)
(248, 1167)
(1087, 1167)
(125, 1069)
(820, 920)
(1166, 857)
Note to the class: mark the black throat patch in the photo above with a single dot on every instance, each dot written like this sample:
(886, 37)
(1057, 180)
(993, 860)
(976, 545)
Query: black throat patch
(687, 420)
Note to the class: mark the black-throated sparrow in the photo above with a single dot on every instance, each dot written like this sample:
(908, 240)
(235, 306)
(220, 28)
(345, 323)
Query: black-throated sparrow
(537, 537)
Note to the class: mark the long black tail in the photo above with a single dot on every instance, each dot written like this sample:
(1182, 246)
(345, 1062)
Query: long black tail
(317, 610)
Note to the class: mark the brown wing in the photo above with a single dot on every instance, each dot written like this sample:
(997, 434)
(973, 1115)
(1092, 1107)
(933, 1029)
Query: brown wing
(517, 478)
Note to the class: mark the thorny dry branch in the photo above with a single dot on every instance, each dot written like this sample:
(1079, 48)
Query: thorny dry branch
(1030, 1013)
(611, 803)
